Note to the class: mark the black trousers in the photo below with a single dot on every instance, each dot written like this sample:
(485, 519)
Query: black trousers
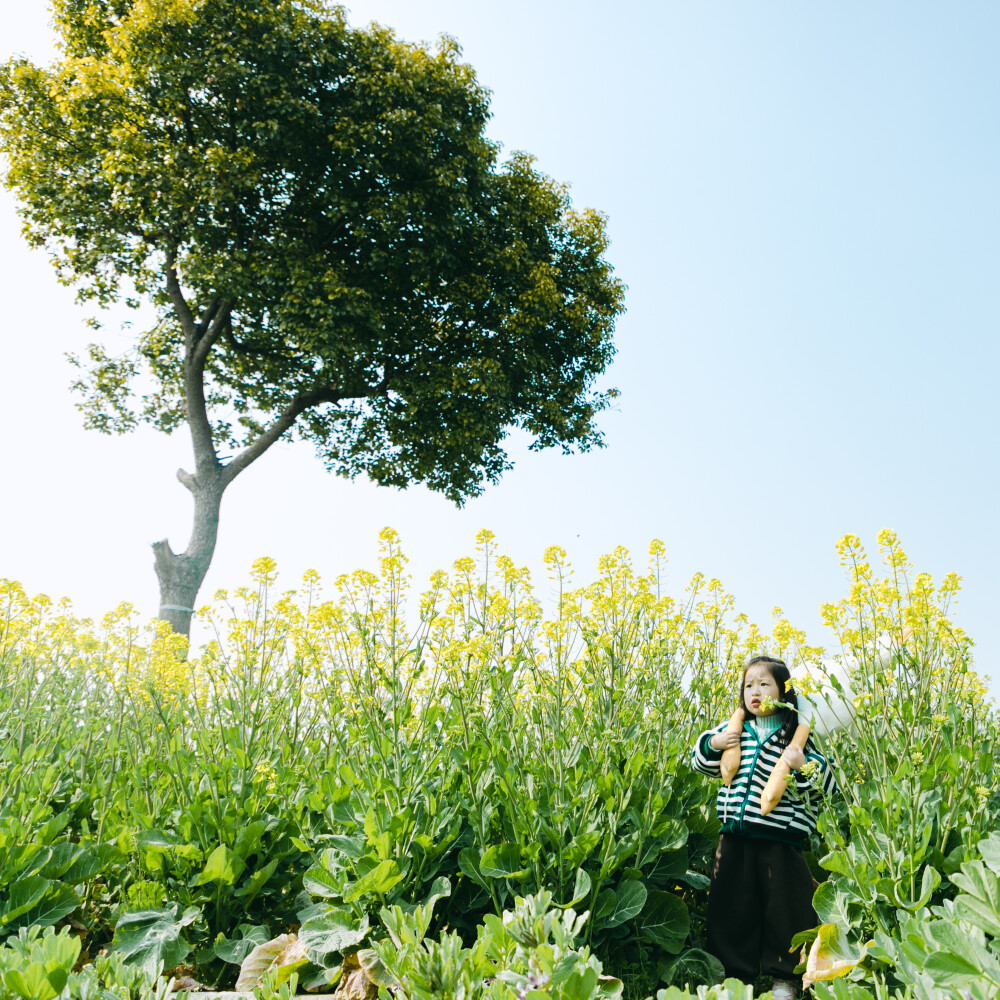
(760, 897)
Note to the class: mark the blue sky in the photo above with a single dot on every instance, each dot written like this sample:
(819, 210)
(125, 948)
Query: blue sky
(802, 199)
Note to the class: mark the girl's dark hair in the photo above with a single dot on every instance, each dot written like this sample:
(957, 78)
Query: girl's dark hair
(786, 693)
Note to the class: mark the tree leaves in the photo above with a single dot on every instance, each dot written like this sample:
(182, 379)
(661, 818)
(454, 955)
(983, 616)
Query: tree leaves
(342, 232)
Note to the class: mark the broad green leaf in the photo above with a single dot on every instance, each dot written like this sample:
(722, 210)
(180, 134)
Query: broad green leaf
(333, 931)
(235, 950)
(621, 906)
(502, 861)
(320, 881)
(64, 855)
(946, 968)
(223, 866)
(989, 851)
(468, 862)
(257, 881)
(351, 846)
(665, 921)
(377, 882)
(580, 848)
(440, 889)
(692, 966)
(838, 862)
(93, 860)
(59, 901)
(22, 896)
(834, 906)
(153, 937)
(604, 906)
(374, 969)
(957, 950)
(156, 838)
(695, 879)
(610, 987)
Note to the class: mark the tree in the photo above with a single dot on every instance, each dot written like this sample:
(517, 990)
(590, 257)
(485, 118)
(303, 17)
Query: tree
(332, 247)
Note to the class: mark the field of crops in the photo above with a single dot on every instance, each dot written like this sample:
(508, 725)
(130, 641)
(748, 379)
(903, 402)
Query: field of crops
(467, 793)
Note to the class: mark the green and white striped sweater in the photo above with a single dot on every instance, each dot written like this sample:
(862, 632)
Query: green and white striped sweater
(793, 819)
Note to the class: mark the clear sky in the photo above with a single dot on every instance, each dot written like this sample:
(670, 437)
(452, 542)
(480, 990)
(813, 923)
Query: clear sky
(803, 201)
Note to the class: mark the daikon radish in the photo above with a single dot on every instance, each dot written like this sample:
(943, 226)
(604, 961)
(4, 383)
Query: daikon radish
(731, 756)
(775, 786)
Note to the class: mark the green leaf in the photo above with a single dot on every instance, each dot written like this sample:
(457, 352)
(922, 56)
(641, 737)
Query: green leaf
(610, 987)
(374, 969)
(622, 905)
(604, 907)
(59, 901)
(692, 967)
(929, 881)
(23, 895)
(989, 851)
(834, 906)
(581, 889)
(502, 861)
(37, 981)
(377, 882)
(838, 862)
(223, 866)
(946, 968)
(979, 902)
(320, 881)
(93, 860)
(333, 931)
(257, 881)
(665, 921)
(153, 937)
(351, 846)
(63, 856)
(235, 950)
(580, 848)
(468, 862)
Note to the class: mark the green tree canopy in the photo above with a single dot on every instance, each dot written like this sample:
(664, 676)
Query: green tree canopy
(331, 243)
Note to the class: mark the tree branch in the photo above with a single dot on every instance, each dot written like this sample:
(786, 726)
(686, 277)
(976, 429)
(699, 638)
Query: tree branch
(284, 421)
(198, 341)
(181, 308)
(215, 320)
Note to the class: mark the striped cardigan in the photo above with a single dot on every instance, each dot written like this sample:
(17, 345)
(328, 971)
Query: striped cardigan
(793, 819)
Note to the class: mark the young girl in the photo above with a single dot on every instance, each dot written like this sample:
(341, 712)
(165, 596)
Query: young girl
(761, 892)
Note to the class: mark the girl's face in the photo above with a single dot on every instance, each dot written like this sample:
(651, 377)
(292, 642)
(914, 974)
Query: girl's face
(757, 684)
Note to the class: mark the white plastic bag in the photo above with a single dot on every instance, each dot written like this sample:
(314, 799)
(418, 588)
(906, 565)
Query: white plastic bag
(827, 710)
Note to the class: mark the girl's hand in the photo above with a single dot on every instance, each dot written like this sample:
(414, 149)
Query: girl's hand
(724, 741)
(793, 757)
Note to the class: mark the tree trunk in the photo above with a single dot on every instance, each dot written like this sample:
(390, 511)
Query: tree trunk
(181, 576)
